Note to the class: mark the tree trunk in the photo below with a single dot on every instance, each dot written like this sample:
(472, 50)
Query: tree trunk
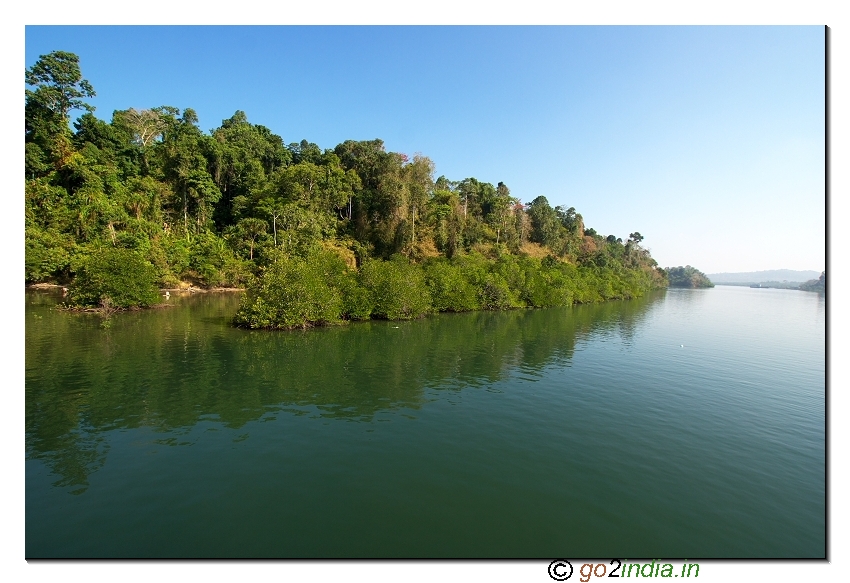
(185, 215)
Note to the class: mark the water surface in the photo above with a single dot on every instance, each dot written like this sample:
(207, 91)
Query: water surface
(686, 424)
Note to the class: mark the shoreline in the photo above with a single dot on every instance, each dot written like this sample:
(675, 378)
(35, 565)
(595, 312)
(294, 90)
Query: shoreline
(191, 289)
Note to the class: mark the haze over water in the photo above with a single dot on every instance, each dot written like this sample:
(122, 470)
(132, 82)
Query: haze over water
(690, 423)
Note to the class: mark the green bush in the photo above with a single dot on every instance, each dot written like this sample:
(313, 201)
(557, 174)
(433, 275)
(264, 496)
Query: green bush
(513, 271)
(208, 254)
(123, 277)
(548, 286)
(475, 269)
(496, 294)
(450, 290)
(236, 272)
(687, 277)
(606, 284)
(295, 292)
(177, 252)
(398, 289)
(46, 254)
(586, 286)
(357, 302)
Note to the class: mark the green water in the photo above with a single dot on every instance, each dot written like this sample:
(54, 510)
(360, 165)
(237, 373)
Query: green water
(688, 424)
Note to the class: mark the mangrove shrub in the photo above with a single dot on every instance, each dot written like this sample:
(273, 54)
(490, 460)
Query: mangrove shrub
(296, 292)
(120, 277)
(397, 288)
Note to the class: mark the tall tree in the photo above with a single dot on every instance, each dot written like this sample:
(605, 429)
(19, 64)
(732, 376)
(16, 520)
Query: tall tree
(144, 125)
(186, 168)
(420, 185)
(252, 228)
(59, 84)
(544, 221)
(501, 209)
(242, 158)
(59, 87)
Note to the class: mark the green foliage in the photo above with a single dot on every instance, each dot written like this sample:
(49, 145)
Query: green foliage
(210, 258)
(300, 230)
(687, 277)
(357, 301)
(397, 287)
(550, 284)
(450, 289)
(59, 84)
(495, 294)
(121, 276)
(545, 221)
(237, 207)
(178, 254)
(815, 285)
(295, 292)
(36, 162)
(47, 254)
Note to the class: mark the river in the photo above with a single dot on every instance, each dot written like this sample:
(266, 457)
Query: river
(686, 424)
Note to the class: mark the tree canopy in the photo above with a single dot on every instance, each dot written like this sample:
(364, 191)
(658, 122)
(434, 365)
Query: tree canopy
(235, 205)
(687, 277)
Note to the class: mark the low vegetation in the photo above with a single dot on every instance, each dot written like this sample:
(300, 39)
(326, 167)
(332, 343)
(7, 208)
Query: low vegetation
(319, 289)
(114, 278)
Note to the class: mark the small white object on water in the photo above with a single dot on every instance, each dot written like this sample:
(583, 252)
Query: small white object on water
(167, 295)
(682, 345)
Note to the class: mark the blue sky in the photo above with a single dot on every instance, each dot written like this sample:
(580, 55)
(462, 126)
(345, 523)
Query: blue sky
(707, 140)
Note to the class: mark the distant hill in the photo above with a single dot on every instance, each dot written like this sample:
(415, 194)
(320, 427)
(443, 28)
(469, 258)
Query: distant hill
(763, 276)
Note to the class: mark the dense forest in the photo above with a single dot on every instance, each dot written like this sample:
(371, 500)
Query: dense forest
(815, 285)
(117, 210)
(687, 277)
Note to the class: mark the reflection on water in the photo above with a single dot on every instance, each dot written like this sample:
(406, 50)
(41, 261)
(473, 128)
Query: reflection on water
(170, 368)
(688, 423)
